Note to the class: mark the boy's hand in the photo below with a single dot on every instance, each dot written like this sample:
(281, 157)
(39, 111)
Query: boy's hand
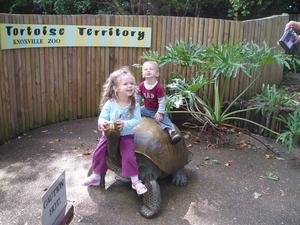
(158, 117)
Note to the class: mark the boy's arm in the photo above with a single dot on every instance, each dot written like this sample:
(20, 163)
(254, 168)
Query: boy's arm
(161, 97)
(162, 105)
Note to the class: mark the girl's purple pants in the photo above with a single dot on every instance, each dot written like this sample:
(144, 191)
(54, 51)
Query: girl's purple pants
(127, 152)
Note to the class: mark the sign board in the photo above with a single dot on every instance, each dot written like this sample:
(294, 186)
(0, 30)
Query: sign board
(47, 35)
(54, 201)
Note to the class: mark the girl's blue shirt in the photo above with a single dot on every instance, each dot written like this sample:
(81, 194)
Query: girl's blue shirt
(112, 111)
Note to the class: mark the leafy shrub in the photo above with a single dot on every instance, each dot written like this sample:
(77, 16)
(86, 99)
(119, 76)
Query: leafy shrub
(292, 132)
(271, 98)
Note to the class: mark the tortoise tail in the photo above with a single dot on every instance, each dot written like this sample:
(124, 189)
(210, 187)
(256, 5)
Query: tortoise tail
(151, 200)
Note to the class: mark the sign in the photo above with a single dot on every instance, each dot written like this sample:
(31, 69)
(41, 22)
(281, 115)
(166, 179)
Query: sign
(54, 201)
(46, 35)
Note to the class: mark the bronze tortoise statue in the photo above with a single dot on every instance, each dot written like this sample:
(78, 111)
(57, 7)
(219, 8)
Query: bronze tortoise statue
(157, 158)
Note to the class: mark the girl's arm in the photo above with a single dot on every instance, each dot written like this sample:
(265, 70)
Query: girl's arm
(135, 119)
(104, 115)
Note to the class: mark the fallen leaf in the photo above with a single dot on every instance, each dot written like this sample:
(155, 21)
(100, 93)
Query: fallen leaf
(242, 144)
(229, 163)
(270, 176)
(215, 161)
(269, 156)
(87, 151)
(206, 158)
(257, 195)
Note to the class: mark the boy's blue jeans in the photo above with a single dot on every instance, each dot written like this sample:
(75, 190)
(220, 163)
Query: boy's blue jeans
(164, 123)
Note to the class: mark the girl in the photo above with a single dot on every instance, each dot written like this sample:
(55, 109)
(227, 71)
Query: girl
(118, 104)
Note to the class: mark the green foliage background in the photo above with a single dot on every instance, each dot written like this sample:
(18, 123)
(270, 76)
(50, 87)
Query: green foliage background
(224, 9)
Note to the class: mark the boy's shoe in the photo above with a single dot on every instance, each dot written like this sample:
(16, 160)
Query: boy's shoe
(139, 187)
(174, 136)
(91, 181)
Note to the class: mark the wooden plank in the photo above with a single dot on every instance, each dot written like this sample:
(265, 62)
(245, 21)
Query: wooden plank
(258, 37)
(37, 81)
(22, 81)
(183, 37)
(73, 90)
(89, 64)
(27, 84)
(92, 70)
(209, 37)
(162, 30)
(169, 34)
(42, 77)
(230, 82)
(108, 61)
(32, 80)
(219, 41)
(79, 56)
(140, 60)
(100, 68)
(65, 70)
(235, 81)
(3, 136)
(3, 96)
(11, 97)
(244, 81)
(60, 98)
(83, 74)
(130, 51)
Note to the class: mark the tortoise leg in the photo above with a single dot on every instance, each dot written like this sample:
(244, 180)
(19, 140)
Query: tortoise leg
(151, 199)
(179, 178)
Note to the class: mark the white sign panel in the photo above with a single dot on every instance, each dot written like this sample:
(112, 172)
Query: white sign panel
(54, 201)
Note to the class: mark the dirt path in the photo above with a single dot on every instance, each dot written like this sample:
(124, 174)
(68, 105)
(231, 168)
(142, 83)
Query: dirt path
(227, 186)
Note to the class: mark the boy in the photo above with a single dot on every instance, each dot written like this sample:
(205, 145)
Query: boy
(155, 100)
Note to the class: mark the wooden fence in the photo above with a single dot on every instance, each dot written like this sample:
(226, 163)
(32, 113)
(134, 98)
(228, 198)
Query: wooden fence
(40, 86)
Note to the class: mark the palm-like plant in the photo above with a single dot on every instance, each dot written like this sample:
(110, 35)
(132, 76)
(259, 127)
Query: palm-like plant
(226, 61)
(271, 97)
(292, 124)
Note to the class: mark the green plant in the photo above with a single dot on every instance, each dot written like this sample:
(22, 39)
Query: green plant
(241, 8)
(292, 125)
(226, 61)
(272, 97)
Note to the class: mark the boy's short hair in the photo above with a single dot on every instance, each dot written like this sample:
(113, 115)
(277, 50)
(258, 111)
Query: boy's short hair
(152, 62)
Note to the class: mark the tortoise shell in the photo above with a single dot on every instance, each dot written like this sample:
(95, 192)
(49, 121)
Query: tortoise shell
(154, 143)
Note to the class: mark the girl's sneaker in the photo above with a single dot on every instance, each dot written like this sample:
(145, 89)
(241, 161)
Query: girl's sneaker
(139, 187)
(91, 181)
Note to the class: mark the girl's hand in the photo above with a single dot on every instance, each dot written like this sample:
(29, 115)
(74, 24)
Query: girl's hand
(104, 126)
(158, 117)
(120, 124)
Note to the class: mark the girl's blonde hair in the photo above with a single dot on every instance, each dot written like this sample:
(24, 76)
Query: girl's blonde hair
(112, 81)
